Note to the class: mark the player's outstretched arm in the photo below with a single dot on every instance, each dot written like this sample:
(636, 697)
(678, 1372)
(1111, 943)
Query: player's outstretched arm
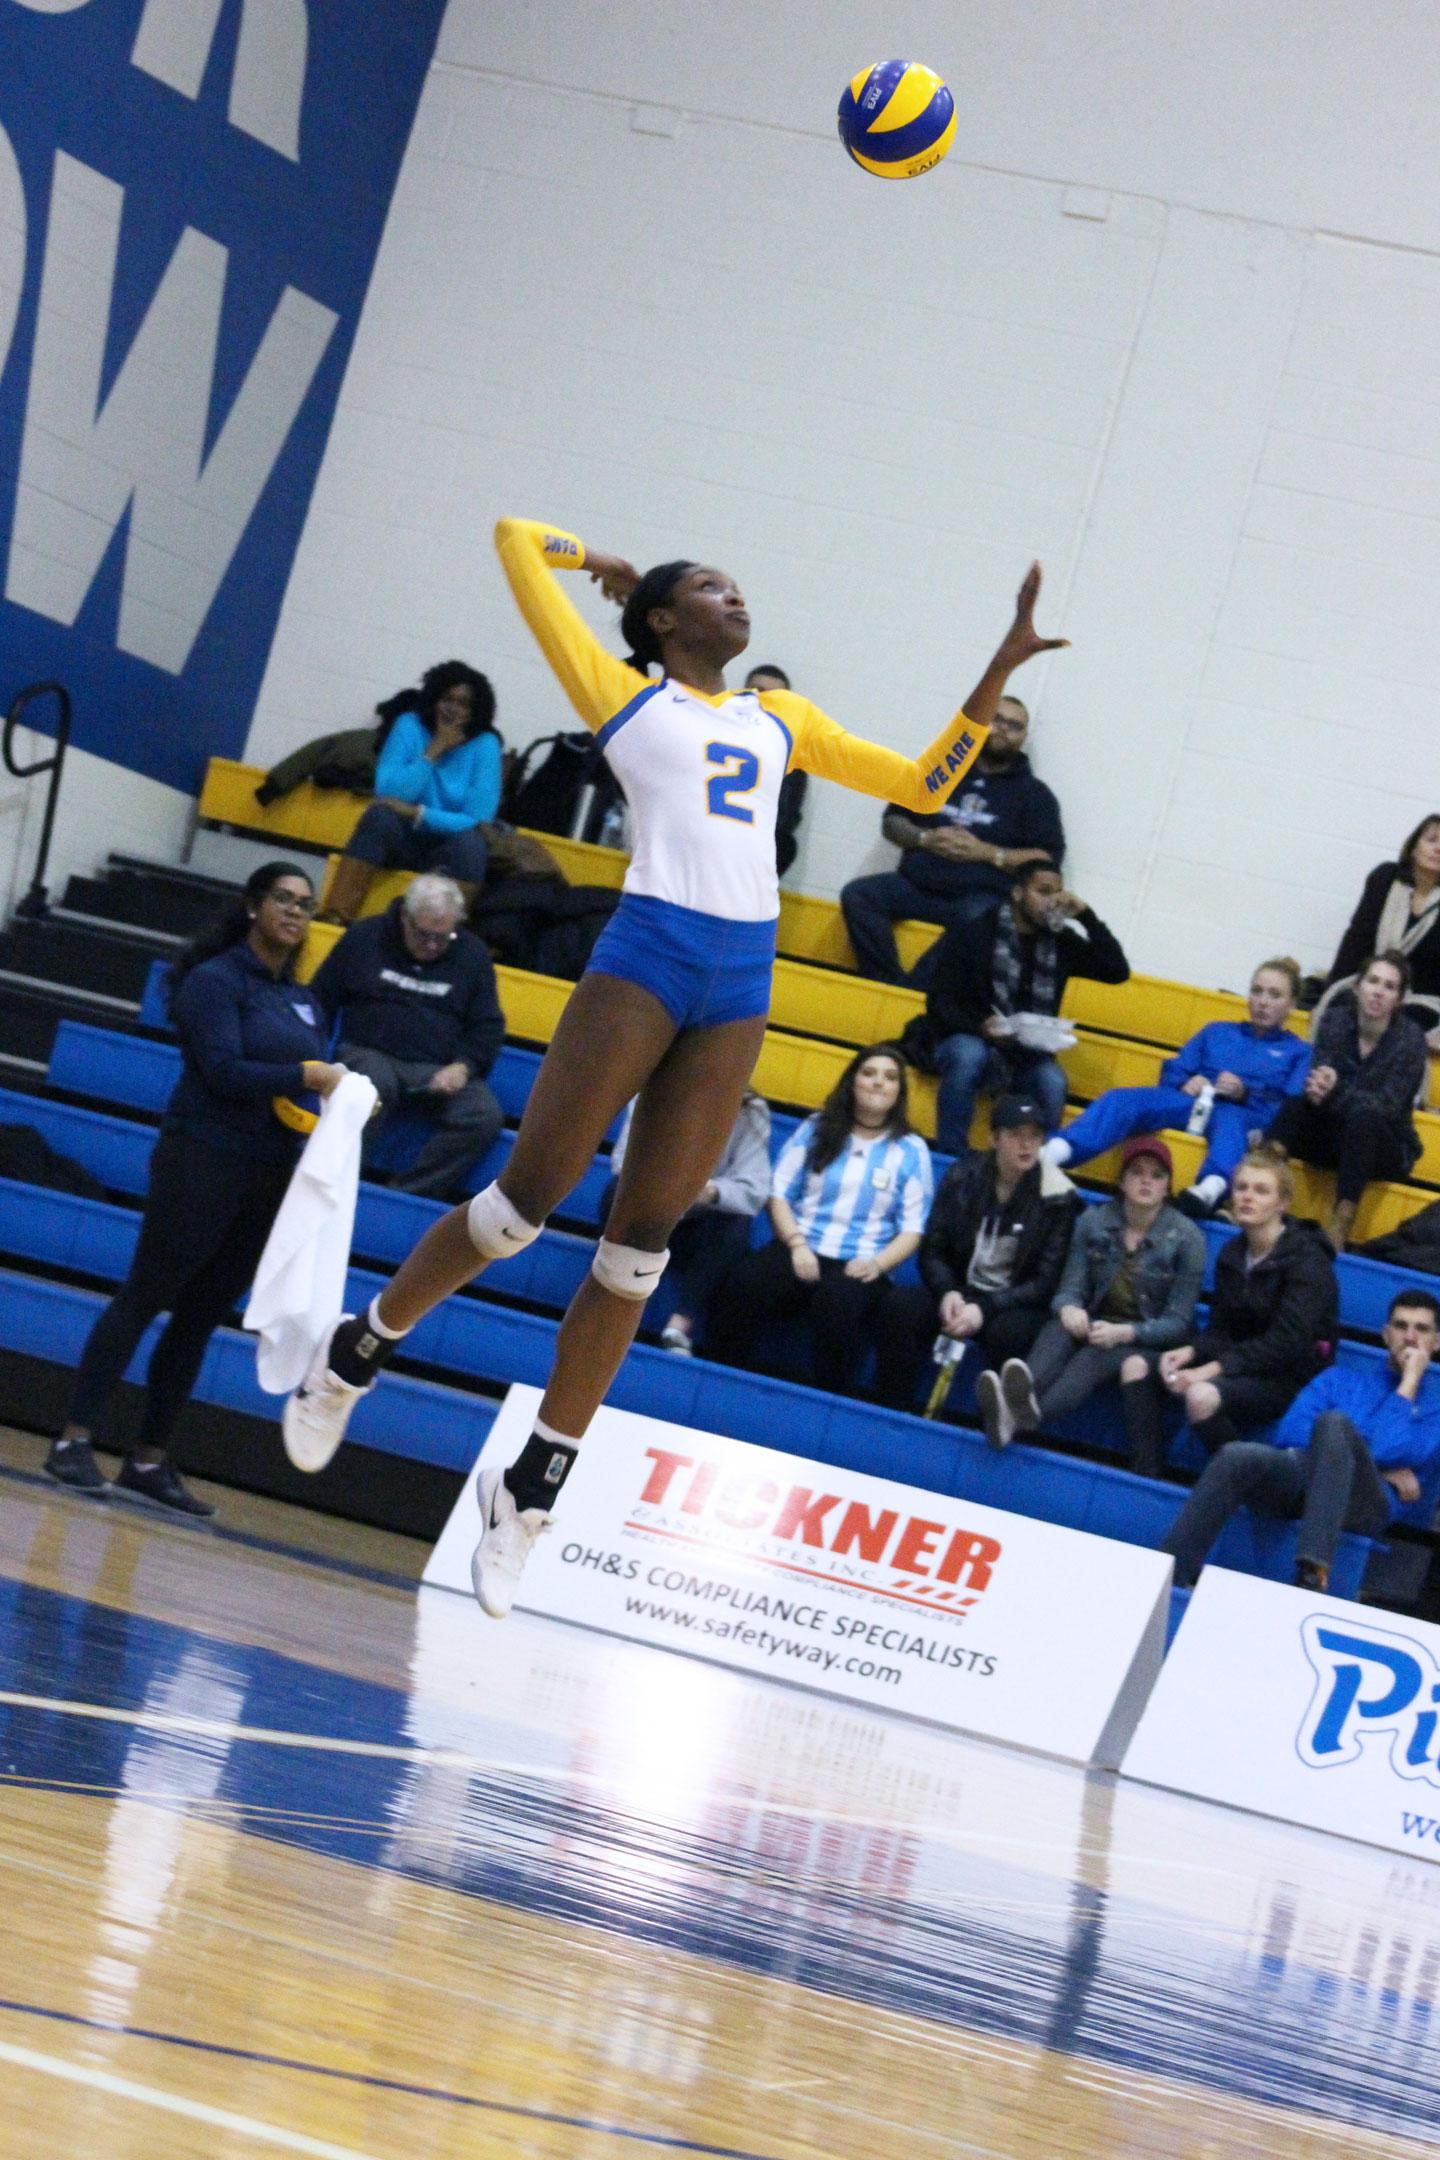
(1021, 642)
(596, 683)
(924, 783)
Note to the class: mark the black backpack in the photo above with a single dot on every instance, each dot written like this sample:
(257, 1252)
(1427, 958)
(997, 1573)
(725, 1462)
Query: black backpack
(546, 780)
(543, 924)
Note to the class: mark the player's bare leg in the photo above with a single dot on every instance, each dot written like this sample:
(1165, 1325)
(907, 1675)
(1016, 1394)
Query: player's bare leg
(681, 1123)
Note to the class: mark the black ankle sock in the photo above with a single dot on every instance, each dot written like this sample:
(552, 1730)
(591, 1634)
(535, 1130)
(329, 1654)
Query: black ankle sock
(538, 1472)
(357, 1352)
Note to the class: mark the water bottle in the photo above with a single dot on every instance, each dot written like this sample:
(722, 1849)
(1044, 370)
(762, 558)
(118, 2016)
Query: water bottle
(1201, 1108)
(947, 1354)
(612, 826)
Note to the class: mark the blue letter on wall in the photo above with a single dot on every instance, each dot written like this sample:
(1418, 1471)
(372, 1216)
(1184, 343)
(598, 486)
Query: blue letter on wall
(188, 223)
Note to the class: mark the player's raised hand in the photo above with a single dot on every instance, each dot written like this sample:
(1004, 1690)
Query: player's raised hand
(1022, 640)
(616, 578)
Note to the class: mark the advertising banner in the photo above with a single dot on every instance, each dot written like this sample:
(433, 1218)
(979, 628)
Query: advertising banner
(834, 1580)
(1303, 1707)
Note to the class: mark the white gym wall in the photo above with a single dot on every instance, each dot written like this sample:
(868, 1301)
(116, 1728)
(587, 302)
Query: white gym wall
(1166, 318)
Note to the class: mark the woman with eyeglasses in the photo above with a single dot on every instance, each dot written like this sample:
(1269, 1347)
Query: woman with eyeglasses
(253, 1047)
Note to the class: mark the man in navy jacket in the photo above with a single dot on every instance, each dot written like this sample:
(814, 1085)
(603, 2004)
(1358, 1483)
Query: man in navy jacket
(956, 863)
(1358, 1449)
(419, 1015)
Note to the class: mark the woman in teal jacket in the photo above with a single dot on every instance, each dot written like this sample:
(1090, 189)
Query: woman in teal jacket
(437, 780)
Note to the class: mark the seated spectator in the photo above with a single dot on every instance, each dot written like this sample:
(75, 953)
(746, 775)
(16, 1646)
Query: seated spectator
(1356, 1113)
(989, 1260)
(419, 1015)
(1131, 1281)
(1015, 960)
(791, 801)
(1273, 1320)
(848, 1200)
(437, 777)
(1399, 911)
(956, 863)
(713, 1236)
(1356, 1450)
(1250, 1066)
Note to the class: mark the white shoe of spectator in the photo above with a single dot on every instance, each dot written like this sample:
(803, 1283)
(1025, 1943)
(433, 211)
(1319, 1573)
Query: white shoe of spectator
(676, 1338)
(505, 1543)
(994, 1414)
(314, 1419)
(1018, 1390)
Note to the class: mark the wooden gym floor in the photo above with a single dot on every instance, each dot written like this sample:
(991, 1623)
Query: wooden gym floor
(293, 1860)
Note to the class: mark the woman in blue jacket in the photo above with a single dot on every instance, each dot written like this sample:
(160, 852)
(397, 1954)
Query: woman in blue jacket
(437, 780)
(1251, 1066)
(253, 1044)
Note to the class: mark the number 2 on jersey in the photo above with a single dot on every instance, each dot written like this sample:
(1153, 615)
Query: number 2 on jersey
(741, 777)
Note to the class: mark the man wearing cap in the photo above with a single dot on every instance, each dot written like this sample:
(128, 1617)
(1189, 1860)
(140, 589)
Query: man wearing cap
(991, 1256)
(1131, 1281)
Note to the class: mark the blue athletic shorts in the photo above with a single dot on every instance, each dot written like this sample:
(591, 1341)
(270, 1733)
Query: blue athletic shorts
(704, 969)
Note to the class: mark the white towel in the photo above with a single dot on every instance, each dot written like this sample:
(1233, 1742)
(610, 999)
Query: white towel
(300, 1282)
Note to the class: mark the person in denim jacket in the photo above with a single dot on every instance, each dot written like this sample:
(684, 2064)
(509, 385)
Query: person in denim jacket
(1132, 1280)
(1272, 1324)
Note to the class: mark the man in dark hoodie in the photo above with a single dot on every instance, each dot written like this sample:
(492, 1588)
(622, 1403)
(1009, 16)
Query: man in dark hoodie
(990, 1258)
(957, 862)
(419, 1015)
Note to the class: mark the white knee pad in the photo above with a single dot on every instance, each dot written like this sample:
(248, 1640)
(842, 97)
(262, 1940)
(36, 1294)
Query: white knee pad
(497, 1228)
(627, 1271)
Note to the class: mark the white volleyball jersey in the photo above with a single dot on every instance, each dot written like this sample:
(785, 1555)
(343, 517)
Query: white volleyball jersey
(702, 772)
(703, 783)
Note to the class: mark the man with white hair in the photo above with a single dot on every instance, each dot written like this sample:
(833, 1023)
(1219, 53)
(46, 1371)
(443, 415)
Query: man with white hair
(419, 1015)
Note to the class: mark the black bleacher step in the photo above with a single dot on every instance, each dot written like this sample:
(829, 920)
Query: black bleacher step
(108, 962)
(143, 903)
(179, 875)
(30, 1012)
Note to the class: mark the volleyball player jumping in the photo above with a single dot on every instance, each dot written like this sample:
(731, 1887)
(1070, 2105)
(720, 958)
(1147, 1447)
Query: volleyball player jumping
(673, 1005)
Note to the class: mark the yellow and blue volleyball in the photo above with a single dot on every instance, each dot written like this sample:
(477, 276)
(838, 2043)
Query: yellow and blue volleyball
(897, 119)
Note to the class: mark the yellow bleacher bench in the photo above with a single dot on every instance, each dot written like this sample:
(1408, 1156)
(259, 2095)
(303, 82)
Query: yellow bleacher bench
(810, 1002)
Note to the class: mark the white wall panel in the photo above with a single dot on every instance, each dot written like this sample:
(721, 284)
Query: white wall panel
(1214, 421)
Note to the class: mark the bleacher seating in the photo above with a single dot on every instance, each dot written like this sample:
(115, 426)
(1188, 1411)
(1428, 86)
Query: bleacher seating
(94, 1240)
(472, 1339)
(481, 1341)
(819, 1017)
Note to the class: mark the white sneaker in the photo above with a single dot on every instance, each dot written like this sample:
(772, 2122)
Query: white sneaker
(677, 1340)
(1018, 1390)
(994, 1411)
(314, 1419)
(505, 1543)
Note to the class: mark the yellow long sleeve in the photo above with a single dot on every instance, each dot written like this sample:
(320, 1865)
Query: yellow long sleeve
(596, 683)
(824, 748)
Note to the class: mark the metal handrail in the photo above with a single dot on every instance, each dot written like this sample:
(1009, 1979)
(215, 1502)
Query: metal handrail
(36, 903)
